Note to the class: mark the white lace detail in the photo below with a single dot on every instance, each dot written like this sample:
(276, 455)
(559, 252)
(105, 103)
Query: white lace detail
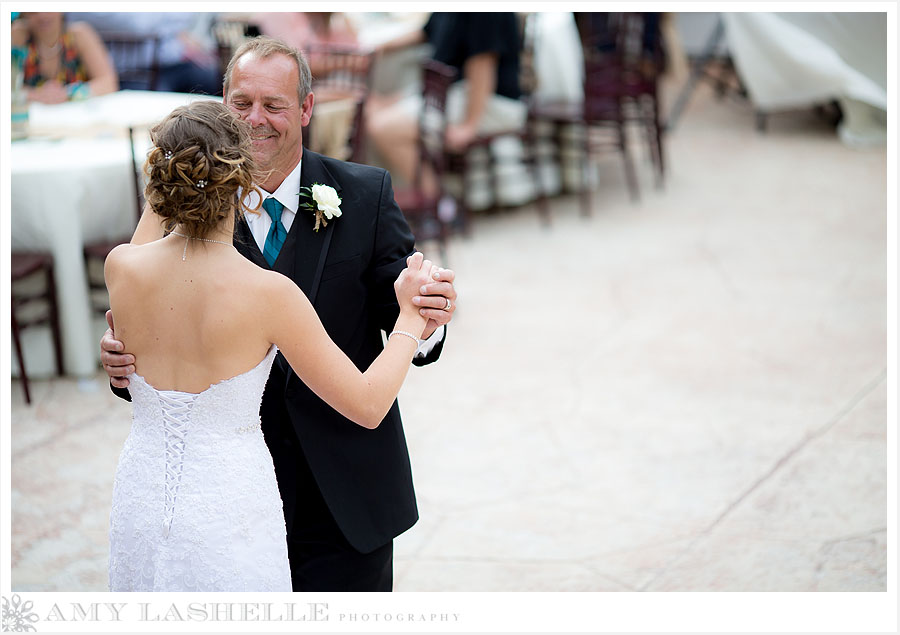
(195, 502)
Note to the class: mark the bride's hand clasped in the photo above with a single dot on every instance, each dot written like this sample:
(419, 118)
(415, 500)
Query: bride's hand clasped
(408, 285)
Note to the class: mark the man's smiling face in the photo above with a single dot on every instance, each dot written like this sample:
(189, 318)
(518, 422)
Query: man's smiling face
(263, 92)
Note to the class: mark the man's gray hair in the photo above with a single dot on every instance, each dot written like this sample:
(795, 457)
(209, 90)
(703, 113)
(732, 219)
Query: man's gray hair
(264, 46)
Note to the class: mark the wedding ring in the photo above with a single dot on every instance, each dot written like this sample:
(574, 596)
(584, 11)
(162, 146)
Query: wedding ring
(449, 304)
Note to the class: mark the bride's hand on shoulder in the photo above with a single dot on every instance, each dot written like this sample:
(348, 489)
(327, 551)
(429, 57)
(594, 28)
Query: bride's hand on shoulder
(408, 285)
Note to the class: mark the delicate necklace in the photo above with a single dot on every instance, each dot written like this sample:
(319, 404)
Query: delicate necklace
(206, 240)
(47, 51)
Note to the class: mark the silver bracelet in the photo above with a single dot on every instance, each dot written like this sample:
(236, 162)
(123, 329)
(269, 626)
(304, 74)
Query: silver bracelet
(410, 335)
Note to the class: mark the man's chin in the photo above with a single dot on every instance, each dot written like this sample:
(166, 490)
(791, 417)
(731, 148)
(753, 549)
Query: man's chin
(261, 149)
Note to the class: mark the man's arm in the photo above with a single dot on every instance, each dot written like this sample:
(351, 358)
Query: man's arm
(403, 41)
(430, 349)
(480, 72)
(394, 243)
(116, 362)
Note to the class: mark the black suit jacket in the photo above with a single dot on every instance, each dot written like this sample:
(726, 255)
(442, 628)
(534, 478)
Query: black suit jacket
(347, 271)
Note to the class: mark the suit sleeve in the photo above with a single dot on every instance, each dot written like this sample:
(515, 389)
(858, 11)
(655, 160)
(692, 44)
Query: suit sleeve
(122, 393)
(394, 242)
(433, 354)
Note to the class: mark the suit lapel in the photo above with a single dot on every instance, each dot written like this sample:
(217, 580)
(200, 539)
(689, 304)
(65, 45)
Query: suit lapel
(302, 257)
(311, 247)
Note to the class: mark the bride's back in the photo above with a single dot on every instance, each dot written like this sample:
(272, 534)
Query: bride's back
(188, 323)
(184, 305)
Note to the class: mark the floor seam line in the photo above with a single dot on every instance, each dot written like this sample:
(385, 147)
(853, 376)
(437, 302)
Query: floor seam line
(861, 394)
(864, 392)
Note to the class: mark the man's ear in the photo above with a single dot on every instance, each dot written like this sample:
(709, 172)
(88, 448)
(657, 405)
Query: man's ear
(306, 109)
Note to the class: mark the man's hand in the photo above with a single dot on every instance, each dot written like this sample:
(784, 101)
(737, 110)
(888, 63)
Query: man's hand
(459, 136)
(434, 298)
(116, 363)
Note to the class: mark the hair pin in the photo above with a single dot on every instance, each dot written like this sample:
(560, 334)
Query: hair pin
(168, 154)
(201, 183)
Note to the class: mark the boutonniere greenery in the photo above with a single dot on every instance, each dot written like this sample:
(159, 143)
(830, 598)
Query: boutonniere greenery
(324, 201)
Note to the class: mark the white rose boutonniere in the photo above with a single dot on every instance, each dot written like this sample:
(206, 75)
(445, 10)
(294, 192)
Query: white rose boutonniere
(324, 201)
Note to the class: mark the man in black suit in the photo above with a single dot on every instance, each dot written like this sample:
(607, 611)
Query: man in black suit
(347, 491)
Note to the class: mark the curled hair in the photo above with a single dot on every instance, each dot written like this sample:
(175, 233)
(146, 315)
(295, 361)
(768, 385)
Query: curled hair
(201, 156)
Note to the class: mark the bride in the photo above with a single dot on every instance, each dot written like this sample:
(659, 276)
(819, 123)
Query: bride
(195, 501)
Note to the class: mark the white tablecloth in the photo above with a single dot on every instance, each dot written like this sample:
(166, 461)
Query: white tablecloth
(73, 189)
(789, 60)
(109, 113)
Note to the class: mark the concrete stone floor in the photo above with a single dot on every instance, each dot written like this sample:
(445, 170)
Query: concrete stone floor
(688, 393)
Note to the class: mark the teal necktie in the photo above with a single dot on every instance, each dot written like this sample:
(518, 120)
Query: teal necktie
(277, 232)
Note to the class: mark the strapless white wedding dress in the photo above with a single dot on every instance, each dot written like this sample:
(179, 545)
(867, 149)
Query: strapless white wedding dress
(195, 502)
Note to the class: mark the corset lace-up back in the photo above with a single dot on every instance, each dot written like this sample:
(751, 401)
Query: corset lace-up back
(195, 502)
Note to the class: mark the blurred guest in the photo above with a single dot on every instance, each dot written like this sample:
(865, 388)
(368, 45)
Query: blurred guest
(187, 56)
(306, 30)
(484, 48)
(302, 29)
(63, 61)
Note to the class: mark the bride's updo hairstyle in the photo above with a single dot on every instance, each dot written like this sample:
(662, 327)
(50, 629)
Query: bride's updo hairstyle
(201, 156)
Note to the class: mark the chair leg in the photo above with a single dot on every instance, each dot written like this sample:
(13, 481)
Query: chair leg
(23, 375)
(442, 249)
(465, 214)
(357, 138)
(586, 165)
(530, 142)
(659, 143)
(630, 174)
(54, 320)
(442, 218)
(493, 181)
(654, 137)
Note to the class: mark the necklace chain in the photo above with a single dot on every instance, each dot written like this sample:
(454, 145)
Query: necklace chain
(44, 50)
(206, 240)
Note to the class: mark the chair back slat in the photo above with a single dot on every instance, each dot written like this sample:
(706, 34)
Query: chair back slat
(436, 80)
(347, 72)
(135, 57)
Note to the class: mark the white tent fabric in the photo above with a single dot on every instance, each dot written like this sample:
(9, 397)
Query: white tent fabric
(789, 60)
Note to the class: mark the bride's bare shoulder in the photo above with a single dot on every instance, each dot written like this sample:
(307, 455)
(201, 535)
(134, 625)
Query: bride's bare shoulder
(271, 291)
(136, 264)
(120, 259)
(267, 281)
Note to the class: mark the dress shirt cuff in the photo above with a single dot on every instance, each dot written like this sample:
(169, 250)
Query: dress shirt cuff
(426, 345)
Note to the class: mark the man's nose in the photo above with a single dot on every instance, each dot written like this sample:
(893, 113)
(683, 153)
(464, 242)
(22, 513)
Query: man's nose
(255, 115)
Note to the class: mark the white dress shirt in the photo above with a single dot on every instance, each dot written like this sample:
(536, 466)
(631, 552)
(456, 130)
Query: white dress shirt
(287, 195)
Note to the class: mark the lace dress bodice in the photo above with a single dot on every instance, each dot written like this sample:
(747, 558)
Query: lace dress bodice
(195, 501)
